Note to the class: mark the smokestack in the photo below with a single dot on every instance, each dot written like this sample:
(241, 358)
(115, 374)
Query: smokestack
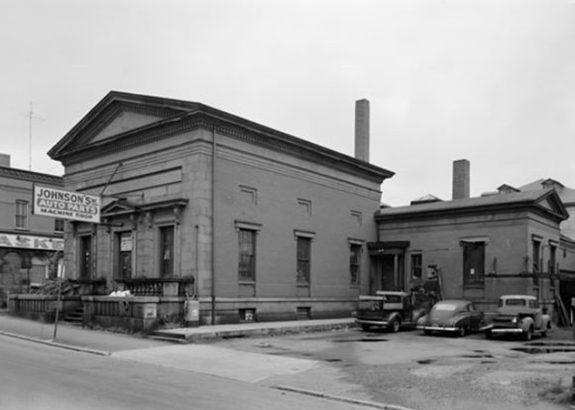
(5, 160)
(461, 179)
(362, 130)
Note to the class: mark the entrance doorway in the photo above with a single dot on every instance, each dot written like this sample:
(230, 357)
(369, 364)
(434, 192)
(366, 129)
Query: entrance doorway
(388, 272)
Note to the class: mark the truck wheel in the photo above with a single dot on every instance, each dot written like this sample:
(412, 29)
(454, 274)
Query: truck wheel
(394, 326)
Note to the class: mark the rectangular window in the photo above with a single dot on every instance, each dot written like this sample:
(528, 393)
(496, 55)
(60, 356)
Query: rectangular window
(355, 263)
(416, 266)
(303, 259)
(536, 256)
(58, 225)
(552, 259)
(473, 262)
(166, 251)
(124, 245)
(86, 257)
(22, 214)
(247, 258)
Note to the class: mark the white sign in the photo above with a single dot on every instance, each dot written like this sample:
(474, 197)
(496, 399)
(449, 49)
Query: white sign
(66, 204)
(126, 242)
(31, 242)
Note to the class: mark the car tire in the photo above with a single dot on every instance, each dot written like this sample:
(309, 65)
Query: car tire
(365, 327)
(394, 326)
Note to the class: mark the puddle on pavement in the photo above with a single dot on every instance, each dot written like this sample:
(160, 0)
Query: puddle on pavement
(363, 339)
(548, 344)
(426, 361)
(333, 360)
(561, 362)
(477, 356)
(541, 350)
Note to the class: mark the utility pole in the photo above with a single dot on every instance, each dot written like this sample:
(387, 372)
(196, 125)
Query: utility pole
(30, 117)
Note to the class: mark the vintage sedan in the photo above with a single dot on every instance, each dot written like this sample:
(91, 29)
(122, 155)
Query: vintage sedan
(458, 317)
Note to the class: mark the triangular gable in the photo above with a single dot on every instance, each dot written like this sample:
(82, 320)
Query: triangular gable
(552, 202)
(119, 118)
(118, 207)
(125, 121)
(116, 114)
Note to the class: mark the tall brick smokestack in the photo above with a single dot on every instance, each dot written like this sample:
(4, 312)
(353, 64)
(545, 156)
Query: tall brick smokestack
(461, 179)
(362, 130)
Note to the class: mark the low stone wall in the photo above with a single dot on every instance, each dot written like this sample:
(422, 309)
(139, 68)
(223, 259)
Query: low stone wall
(133, 313)
(42, 307)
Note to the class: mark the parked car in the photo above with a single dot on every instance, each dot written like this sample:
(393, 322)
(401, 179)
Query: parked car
(452, 316)
(519, 315)
(389, 309)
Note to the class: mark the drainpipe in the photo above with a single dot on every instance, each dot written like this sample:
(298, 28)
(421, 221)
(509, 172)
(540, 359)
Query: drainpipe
(213, 225)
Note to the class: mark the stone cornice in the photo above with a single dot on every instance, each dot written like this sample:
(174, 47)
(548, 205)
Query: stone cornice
(263, 136)
(30, 176)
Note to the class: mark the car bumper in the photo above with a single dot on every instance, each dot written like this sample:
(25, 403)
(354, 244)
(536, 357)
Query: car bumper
(372, 322)
(503, 329)
(438, 328)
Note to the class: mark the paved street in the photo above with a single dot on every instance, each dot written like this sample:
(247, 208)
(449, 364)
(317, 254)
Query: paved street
(40, 377)
(430, 372)
(340, 368)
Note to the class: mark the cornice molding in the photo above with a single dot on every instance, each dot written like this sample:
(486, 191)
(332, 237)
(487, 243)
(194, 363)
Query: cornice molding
(280, 143)
(31, 176)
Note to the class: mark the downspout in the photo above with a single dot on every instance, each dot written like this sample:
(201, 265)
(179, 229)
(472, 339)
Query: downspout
(213, 276)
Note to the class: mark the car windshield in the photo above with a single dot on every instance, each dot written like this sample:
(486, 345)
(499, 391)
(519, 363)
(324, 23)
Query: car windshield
(515, 302)
(445, 307)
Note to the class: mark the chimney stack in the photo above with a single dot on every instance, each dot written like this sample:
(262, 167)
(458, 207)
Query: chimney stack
(5, 160)
(461, 179)
(362, 130)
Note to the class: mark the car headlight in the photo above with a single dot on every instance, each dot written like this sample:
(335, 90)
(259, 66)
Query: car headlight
(514, 320)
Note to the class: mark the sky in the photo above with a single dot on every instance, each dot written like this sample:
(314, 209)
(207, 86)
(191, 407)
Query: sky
(490, 81)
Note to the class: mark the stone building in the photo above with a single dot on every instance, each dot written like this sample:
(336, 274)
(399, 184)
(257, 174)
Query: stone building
(29, 244)
(269, 226)
(503, 243)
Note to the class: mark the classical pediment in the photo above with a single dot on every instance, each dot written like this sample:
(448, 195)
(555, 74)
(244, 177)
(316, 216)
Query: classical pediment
(552, 202)
(118, 207)
(117, 115)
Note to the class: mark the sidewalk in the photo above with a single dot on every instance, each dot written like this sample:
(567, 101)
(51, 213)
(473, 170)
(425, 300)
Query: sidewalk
(105, 342)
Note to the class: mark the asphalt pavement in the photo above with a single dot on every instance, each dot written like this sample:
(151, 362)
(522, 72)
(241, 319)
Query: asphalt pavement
(104, 342)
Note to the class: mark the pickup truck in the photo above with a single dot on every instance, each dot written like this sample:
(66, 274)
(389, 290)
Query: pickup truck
(519, 315)
(392, 310)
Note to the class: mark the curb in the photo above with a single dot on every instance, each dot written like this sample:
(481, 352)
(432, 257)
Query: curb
(342, 399)
(56, 344)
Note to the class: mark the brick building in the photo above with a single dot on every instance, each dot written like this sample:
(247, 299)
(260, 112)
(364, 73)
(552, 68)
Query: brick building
(270, 226)
(28, 243)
